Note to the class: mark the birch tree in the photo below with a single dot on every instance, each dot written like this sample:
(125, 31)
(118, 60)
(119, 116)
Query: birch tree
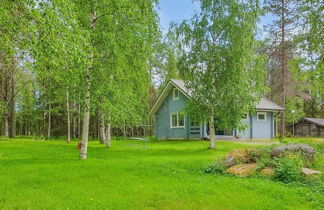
(224, 72)
(119, 34)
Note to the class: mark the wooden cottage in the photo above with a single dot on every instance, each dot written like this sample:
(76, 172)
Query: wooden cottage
(309, 127)
(171, 123)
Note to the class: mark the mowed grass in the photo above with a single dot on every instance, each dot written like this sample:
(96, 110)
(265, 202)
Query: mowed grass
(38, 174)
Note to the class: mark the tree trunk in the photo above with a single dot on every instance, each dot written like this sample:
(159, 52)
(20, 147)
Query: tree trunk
(86, 119)
(86, 114)
(102, 136)
(124, 132)
(6, 125)
(74, 128)
(12, 124)
(283, 70)
(212, 132)
(68, 118)
(49, 122)
(12, 132)
(108, 135)
(79, 120)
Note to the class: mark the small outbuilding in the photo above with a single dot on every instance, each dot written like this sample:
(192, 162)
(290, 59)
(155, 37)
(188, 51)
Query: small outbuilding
(309, 127)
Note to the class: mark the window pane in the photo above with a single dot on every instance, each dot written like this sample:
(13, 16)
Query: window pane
(174, 120)
(181, 119)
(261, 116)
(175, 93)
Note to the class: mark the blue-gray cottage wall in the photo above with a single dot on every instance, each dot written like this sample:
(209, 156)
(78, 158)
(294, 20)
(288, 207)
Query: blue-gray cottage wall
(258, 129)
(255, 129)
(162, 116)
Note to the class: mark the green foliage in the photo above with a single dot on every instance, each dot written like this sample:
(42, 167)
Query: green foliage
(288, 169)
(216, 168)
(218, 57)
(296, 104)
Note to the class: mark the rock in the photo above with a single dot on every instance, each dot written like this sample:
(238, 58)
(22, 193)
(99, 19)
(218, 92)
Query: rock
(239, 156)
(303, 149)
(268, 172)
(242, 170)
(309, 172)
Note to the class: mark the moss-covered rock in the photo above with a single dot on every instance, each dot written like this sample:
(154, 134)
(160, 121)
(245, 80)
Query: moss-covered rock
(309, 172)
(242, 170)
(305, 150)
(241, 156)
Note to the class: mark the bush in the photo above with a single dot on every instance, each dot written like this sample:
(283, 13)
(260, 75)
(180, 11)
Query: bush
(217, 168)
(266, 161)
(288, 169)
(255, 155)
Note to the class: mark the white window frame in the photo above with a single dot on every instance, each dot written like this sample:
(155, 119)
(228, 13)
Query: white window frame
(247, 116)
(174, 90)
(265, 117)
(177, 114)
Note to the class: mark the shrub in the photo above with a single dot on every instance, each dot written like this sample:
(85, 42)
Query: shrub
(288, 169)
(254, 155)
(266, 161)
(216, 168)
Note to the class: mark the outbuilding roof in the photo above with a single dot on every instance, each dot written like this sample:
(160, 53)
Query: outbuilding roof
(264, 104)
(318, 121)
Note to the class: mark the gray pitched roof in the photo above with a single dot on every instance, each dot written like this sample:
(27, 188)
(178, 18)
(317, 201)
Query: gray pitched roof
(265, 104)
(181, 85)
(318, 121)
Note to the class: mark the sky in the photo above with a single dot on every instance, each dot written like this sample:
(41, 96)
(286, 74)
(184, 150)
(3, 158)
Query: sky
(175, 10)
(178, 10)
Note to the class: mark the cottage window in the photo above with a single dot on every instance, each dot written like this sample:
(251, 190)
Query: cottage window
(245, 116)
(175, 94)
(262, 116)
(177, 120)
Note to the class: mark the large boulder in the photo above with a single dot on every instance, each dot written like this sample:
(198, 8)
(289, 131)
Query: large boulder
(303, 149)
(309, 172)
(240, 156)
(242, 170)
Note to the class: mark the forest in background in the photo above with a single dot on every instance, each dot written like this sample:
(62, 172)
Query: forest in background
(89, 68)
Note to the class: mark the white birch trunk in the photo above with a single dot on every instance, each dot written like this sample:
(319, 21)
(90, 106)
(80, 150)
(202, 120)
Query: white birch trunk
(68, 118)
(212, 132)
(6, 125)
(86, 114)
(108, 135)
(79, 120)
(86, 118)
(102, 136)
(74, 127)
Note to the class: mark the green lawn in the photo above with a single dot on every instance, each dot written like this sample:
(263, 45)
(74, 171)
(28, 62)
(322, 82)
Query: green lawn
(170, 175)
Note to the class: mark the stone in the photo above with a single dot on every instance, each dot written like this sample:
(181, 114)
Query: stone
(309, 172)
(242, 170)
(303, 149)
(268, 172)
(239, 156)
